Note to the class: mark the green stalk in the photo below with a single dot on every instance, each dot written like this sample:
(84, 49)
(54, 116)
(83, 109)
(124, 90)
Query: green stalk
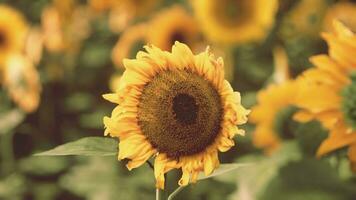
(7, 154)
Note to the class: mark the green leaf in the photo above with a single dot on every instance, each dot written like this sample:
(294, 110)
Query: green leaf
(308, 179)
(10, 120)
(223, 169)
(253, 180)
(90, 146)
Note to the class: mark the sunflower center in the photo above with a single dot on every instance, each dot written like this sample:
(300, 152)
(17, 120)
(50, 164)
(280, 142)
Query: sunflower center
(284, 125)
(185, 108)
(180, 113)
(233, 12)
(177, 36)
(349, 102)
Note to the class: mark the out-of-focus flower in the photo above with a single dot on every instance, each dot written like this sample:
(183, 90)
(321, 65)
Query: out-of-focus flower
(21, 80)
(101, 5)
(231, 21)
(305, 18)
(13, 30)
(345, 12)
(328, 92)
(61, 22)
(281, 71)
(170, 25)
(128, 41)
(51, 25)
(178, 107)
(34, 45)
(124, 11)
(273, 112)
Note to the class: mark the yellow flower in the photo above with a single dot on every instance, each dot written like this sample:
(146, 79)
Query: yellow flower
(328, 92)
(344, 12)
(13, 30)
(125, 11)
(274, 109)
(128, 40)
(21, 80)
(274, 105)
(101, 5)
(231, 21)
(170, 25)
(305, 18)
(34, 45)
(177, 107)
(61, 22)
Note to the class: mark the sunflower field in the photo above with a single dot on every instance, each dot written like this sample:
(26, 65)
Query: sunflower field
(178, 99)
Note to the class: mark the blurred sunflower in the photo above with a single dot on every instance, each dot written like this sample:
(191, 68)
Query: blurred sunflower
(101, 5)
(125, 11)
(305, 18)
(60, 24)
(231, 21)
(128, 42)
(273, 112)
(13, 30)
(170, 25)
(178, 107)
(272, 115)
(328, 92)
(342, 11)
(21, 80)
(34, 45)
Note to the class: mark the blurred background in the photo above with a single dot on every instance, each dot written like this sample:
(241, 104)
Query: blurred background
(57, 57)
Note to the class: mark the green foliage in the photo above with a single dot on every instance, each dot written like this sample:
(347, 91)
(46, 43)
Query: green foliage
(349, 102)
(284, 125)
(310, 136)
(9, 120)
(90, 146)
(97, 178)
(308, 179)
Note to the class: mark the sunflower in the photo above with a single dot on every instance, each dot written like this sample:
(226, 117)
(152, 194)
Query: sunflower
(272, 115)
(177, 107)
(127, 43)
(342, 11)
(170, 25)
(13, 30)
(274, 107)
(305, 18)
(21, 80)
(328, 91)
(60, 24)
(126, 11)
(231, 21)
(100, 6)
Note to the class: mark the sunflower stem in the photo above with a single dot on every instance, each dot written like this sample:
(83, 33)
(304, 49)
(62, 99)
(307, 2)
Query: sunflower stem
(7, 157)
(175, 192)
(158, 194)
(150, 164)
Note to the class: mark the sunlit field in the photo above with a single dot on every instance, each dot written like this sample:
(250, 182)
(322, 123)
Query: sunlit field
(177, 99)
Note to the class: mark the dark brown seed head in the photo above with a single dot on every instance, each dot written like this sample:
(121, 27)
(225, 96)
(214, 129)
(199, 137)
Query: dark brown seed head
(180, 113)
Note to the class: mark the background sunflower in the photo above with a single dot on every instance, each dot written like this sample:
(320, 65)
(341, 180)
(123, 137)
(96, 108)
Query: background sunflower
(57, 58)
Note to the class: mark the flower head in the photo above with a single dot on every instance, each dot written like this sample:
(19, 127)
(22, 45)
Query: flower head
(231, 21)
(177, 107)
(327, 92)
(170, 25)
(273, 115)
(13, 30)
